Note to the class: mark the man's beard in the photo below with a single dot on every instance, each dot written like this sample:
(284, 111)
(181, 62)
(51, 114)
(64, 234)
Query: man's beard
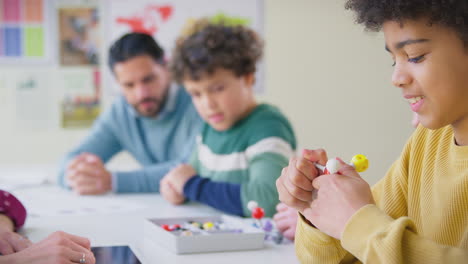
(148, 112)
(158, 104)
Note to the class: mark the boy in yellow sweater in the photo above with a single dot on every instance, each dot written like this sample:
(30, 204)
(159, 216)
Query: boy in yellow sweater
(418, 213)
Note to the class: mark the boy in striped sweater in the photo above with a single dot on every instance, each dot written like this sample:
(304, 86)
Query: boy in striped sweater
(243, 145)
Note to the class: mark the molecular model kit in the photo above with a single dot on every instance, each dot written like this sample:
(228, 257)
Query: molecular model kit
(216, 233)
(204, 234)
(359, 162)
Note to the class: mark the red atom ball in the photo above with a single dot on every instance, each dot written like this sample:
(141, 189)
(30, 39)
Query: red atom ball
(258, 213)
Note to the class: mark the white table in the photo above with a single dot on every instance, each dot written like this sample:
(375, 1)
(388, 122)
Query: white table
(106, 228)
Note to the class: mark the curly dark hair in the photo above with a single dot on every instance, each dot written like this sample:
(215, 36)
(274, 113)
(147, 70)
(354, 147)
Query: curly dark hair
(213, 46)
(450, 13)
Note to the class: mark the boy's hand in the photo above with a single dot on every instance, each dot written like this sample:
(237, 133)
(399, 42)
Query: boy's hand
(295, 183)
(169, 193)
(179, 176)
(86, 174)
(286, 220)
(339, 196)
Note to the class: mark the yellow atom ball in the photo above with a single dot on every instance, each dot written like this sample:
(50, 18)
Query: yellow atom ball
(208, 225)
(360, 162)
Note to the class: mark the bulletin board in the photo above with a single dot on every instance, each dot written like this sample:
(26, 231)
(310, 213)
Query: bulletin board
(166, 19)
(53, 72)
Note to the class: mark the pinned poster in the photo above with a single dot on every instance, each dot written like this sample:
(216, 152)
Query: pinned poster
(34, 100)
(24, 31)
(79, 35)
(80, 104)
(165, 19)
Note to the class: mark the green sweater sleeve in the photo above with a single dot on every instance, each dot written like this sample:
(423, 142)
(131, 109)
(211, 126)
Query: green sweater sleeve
(264, 169)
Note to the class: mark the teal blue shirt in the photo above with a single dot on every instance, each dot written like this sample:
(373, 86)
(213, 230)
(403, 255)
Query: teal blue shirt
(158, 144)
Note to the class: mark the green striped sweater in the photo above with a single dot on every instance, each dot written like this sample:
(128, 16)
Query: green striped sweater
(252, 153)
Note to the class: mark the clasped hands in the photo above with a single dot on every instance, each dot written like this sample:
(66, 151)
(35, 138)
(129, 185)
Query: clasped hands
(86, 174)
(327, 201)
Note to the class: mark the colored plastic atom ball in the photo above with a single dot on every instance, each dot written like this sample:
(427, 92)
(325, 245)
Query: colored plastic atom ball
(258, 213)
(333, 166)
(252, 205)
(267, 226)
(360, 162)
(208, 226)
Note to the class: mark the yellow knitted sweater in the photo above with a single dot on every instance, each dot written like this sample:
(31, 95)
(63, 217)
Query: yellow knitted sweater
(420, 216)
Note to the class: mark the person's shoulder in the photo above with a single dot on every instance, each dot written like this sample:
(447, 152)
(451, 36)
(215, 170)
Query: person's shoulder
(268, 121)
(430, 136)
(119, 111)
(118, 105)
(184, 100)
(265, 110)
(265, 114)
(426, 143)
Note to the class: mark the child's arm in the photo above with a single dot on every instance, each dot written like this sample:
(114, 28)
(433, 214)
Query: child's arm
(220, 195)
(384, 233)
(232, 198)
(264, 170)
(12, 217)
(327, 249)
(314, 246)
(374, 237)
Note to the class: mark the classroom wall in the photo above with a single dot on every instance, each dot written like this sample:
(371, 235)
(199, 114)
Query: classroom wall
(328, 76)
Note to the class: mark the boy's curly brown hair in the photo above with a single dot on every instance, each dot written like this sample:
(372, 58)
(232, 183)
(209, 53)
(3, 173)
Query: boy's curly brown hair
(206, 47)
(450, 13)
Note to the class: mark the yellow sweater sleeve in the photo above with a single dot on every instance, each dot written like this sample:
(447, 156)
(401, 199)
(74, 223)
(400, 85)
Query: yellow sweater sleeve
(313, 246)
(374, 237)
(383, 233)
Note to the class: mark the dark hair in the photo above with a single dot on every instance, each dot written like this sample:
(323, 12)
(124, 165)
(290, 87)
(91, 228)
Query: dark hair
(450, 13)
(213, 46)
(132, 45)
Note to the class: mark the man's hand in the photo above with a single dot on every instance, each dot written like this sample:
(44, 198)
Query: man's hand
(339, 197)
(86, 174)
(286, 220)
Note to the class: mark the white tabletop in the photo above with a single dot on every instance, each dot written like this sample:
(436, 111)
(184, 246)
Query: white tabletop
(118, 220)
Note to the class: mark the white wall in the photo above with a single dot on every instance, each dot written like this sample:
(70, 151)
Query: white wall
(333, 81)
(327, 75)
